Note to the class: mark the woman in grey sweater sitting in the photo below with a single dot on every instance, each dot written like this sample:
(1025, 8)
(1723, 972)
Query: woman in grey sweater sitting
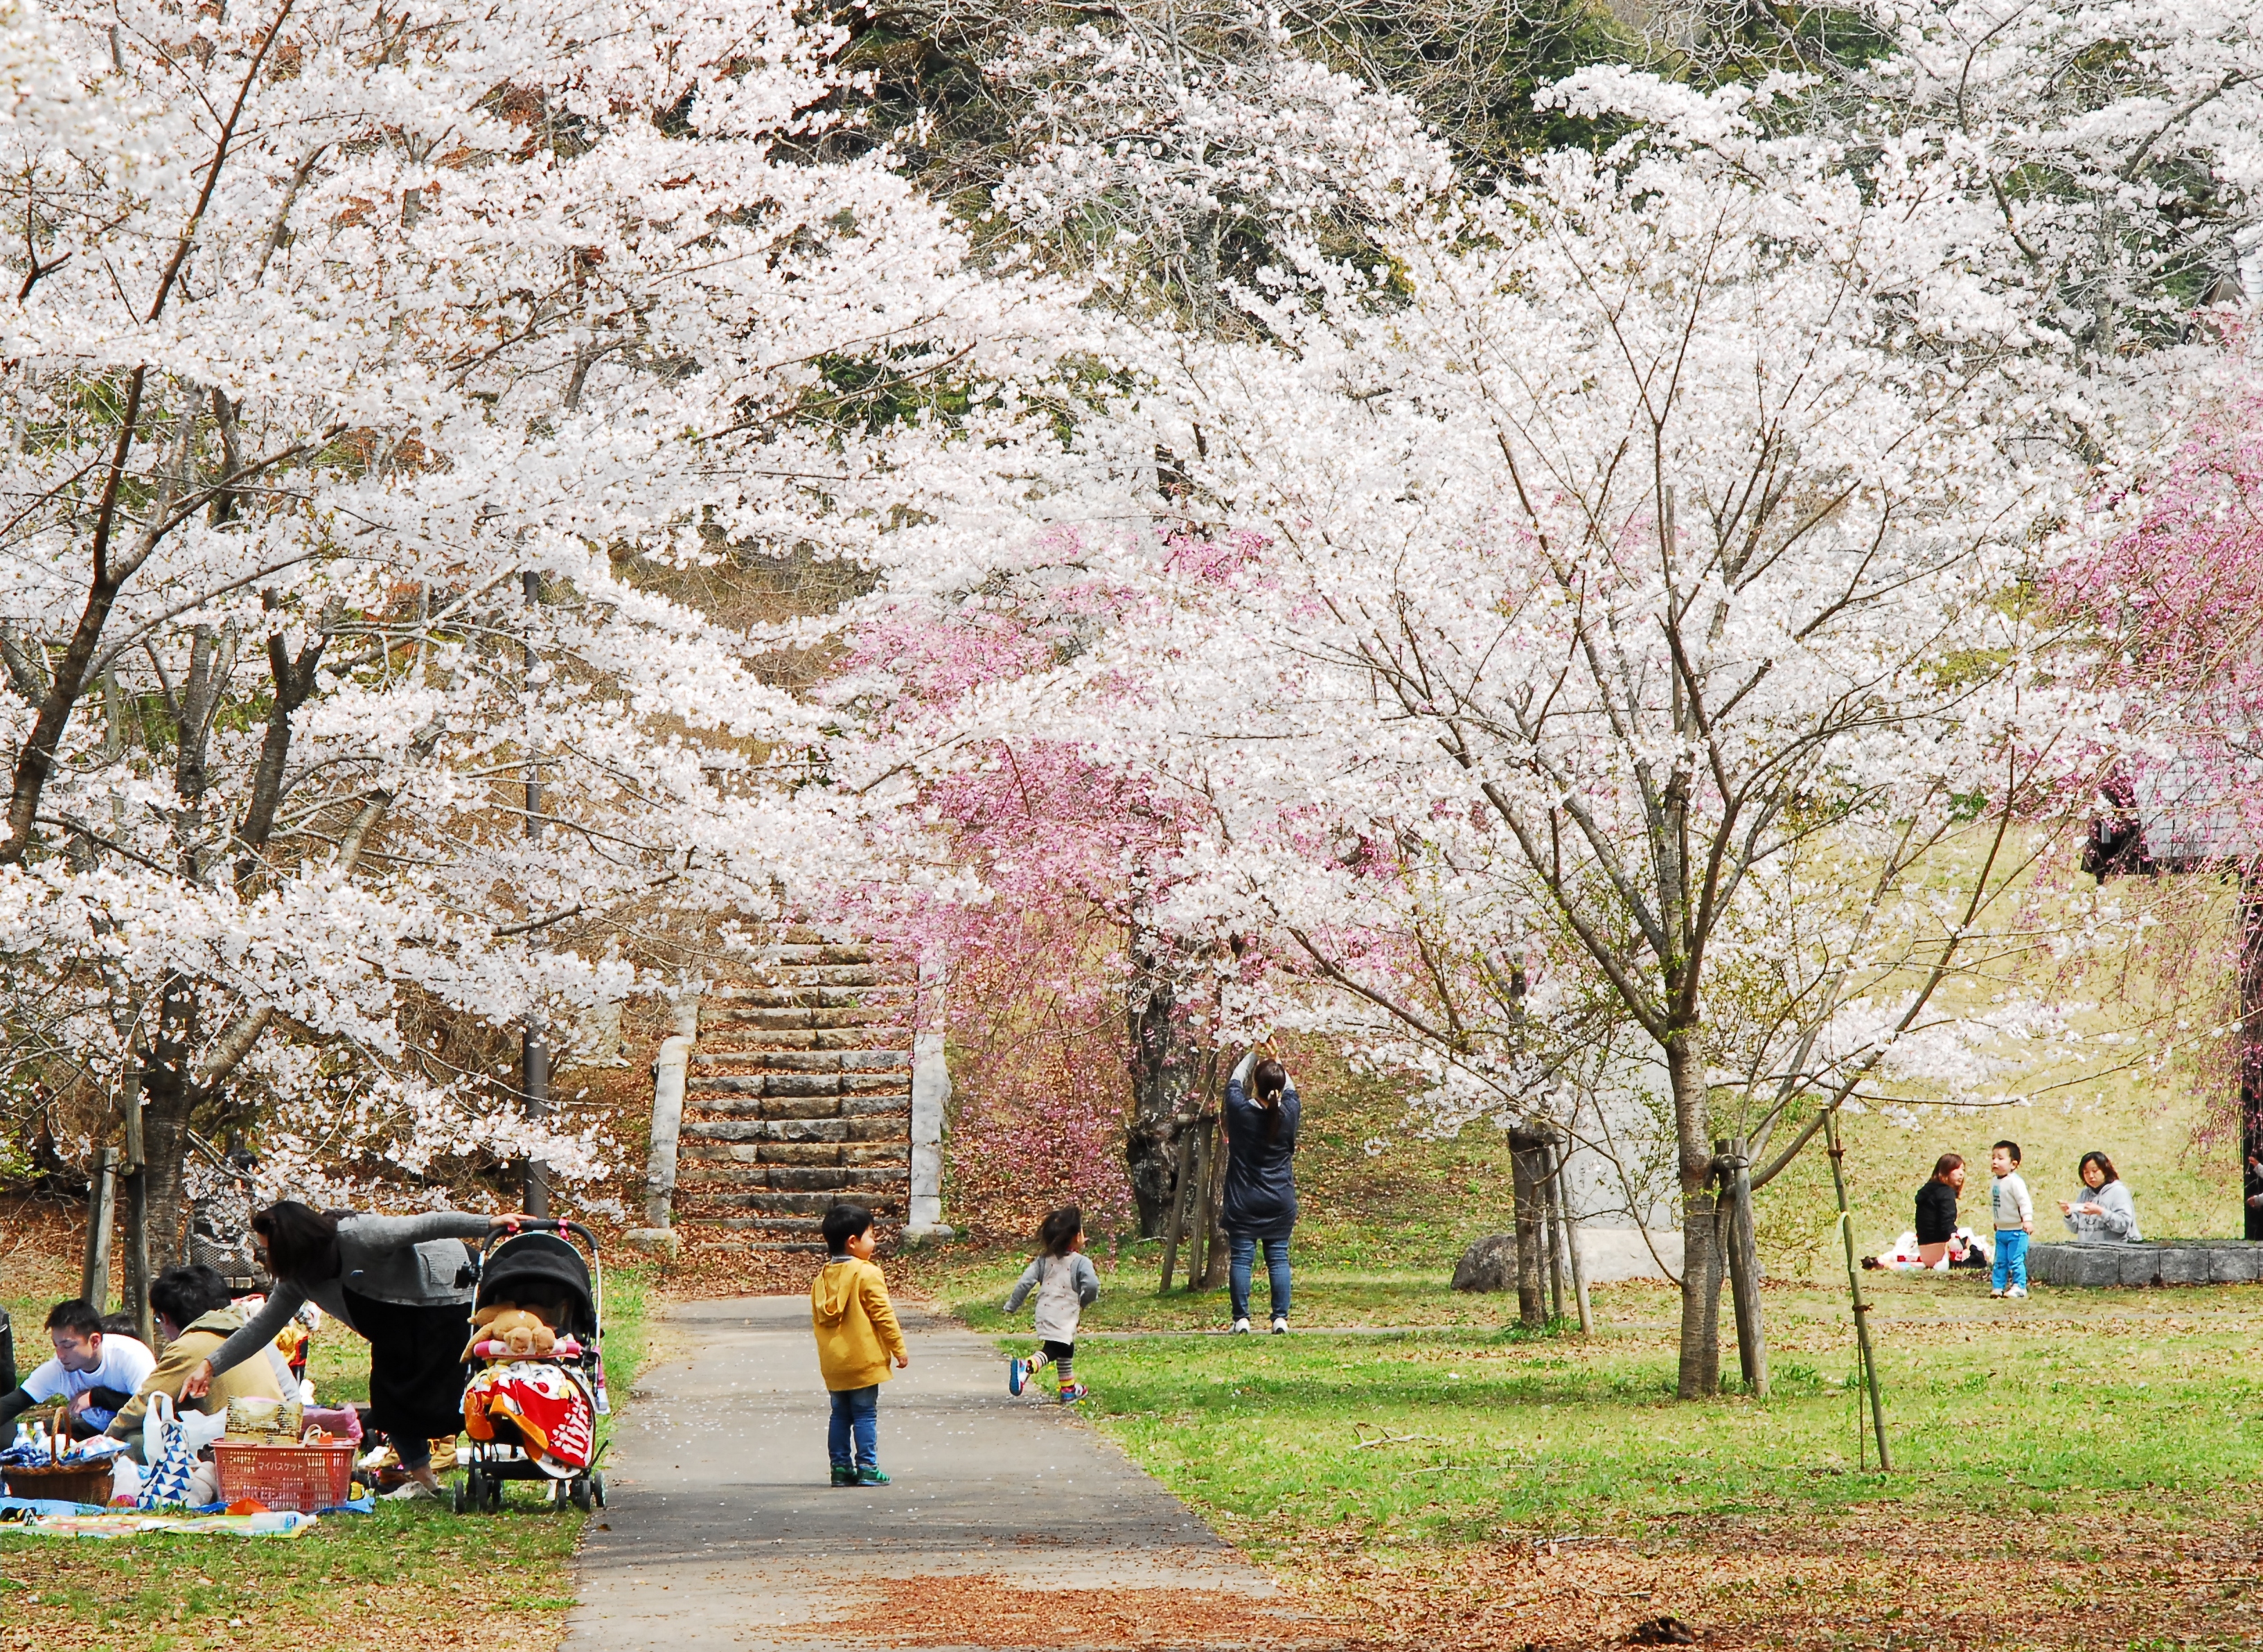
(403, 1283)
(2104, 1214)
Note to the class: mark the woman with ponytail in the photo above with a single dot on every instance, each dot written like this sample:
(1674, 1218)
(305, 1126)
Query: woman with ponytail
(1260, 1184)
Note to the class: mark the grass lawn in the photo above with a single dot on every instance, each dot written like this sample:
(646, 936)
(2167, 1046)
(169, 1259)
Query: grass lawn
(2073, 1470)
(408, 1575)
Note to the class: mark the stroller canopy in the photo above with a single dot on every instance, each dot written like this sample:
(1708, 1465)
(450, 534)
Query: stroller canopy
(540, 1269)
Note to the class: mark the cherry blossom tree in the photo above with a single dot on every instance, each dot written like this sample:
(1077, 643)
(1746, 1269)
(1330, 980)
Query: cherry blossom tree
(362, 366)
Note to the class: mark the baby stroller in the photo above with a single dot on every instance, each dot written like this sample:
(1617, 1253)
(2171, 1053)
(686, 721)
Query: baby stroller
(533, 1415)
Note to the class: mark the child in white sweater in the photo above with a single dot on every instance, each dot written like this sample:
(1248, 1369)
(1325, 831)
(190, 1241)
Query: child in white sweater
(1066, 1284)
(2015, 1219)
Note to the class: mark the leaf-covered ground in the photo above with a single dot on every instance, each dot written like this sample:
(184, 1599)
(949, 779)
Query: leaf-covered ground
(2075, 1470)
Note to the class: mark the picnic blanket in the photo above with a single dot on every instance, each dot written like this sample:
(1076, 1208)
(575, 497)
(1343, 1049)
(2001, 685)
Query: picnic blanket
(44, 1516)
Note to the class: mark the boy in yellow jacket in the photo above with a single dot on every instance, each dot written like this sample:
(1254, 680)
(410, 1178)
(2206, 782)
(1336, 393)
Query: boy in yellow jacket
(857, 1337)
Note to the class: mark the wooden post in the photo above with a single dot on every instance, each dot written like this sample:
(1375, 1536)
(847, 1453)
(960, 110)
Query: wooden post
(1838, 1154)
(1744, 1266)
(1525, 1180)
(1175, 1219)
(136, 1298)
(101, 1202)
(1552, 1230)
(1215, 1259)
(1198, 1203)
(2251, 1040)
(1574, 1266)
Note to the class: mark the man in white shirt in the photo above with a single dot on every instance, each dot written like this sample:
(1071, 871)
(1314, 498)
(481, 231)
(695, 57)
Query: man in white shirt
(95, 1371)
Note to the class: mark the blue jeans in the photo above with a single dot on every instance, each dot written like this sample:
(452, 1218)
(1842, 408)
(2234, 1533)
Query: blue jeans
(856, 1414)
(1241, 1251)
(2011, 1259)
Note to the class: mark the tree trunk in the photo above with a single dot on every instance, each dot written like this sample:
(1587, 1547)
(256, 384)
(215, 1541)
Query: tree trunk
(1700, 1375)
(1743, 1265)
(1526, 1171)
(170, 1088)
(1165, 1079)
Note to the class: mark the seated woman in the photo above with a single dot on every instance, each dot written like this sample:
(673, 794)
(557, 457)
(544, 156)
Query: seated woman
(2105, 1214)
(1937, 1208)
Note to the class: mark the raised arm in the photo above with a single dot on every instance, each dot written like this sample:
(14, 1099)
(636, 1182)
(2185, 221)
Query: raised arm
(396, 1233)
(265, 1326)
(1023, 1287)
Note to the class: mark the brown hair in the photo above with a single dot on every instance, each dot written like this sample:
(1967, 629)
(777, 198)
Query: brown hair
(2102, 1161)
(1946, 1163)
(302, 1241)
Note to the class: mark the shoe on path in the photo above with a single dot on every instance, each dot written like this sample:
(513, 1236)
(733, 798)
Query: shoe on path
(1018, 1375)
(2016, 1292)
(412, 1491)
(1073, 1393)
(1241, 1327)
(1280, 1324)
(1998, 1296)
(844, 1476)
(870, 1476)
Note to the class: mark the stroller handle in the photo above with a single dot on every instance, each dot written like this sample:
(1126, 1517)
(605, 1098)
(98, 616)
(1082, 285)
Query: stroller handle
(561, 1227)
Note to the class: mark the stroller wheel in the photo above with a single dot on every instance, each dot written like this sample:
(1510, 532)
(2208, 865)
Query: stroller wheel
(578, 1489)
(598, 1486)
(492, 1485)
(469, 1492)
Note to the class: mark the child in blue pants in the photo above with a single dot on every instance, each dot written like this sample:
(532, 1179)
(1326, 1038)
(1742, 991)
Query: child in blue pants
(2015, 1219)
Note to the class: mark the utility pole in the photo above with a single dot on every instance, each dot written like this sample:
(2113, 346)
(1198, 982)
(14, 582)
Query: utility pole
(533, 1047)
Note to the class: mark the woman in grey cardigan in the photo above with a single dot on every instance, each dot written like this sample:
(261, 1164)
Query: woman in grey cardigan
(402, 1282)
(2105, 1214)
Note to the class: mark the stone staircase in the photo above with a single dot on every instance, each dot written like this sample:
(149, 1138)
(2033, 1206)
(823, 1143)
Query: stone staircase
(798, 1095)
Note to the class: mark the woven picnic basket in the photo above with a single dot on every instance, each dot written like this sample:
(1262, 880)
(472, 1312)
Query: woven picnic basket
(68, 1483)
(305, 1478)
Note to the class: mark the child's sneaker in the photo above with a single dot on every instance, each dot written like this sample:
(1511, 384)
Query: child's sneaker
(1018, 1375)
(1280, 1324)
(844, 1476)
(871, 1476)
(2015, 1293)
(1073, 1393)
(1241, 1327)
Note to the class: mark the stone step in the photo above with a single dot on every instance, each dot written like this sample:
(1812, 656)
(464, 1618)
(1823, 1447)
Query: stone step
(800, 1178)
(765, 976)
(794, 1223)
(797, 1084)
(716, 1028)
(801, 1107)
(729, 1001)
(804, 1060)
(895, 1150)
(730, 1040)
(808, 951)
(814, 1130)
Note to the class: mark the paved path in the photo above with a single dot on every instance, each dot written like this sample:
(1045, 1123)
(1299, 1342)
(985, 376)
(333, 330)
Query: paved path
(723, 1531)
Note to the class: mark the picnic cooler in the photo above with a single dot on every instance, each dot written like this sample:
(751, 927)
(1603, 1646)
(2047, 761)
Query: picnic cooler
(305, 1478)
(70, 1482)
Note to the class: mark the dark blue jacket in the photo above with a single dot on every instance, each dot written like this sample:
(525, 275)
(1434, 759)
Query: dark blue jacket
(1261, 1186)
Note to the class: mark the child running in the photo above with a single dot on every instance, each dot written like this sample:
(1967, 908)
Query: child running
(857, 1337)
(1066, 1284)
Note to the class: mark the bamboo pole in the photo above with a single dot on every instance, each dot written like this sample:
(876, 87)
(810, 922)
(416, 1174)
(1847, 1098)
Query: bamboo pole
(1838, 1153)
(1745, 1267)
(1571, 1256)
(101, 1206)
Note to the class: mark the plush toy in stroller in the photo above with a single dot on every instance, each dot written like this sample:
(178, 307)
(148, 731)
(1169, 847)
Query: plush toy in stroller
(535, 1376)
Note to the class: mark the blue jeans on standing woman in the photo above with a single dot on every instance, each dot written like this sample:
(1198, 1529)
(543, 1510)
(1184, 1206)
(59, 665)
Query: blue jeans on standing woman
(856, 1415)
(1241, 1251)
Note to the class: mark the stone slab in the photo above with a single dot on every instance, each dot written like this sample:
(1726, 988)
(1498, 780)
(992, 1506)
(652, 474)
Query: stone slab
(2149, 1262)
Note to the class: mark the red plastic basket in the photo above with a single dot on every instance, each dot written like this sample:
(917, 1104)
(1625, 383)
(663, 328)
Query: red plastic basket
(307, 1478)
